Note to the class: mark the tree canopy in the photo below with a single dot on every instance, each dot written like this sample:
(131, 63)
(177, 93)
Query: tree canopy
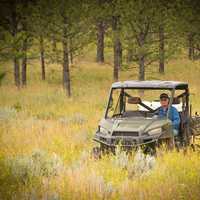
(139, 31)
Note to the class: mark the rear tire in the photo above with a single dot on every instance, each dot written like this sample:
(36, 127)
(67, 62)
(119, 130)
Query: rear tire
(170, 143)
(150, 149)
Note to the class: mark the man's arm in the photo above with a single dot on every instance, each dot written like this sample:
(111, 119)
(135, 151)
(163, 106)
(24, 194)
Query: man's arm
(176, 119)
(157, 111)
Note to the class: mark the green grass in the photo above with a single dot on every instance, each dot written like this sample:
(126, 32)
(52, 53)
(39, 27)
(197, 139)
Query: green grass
(40, 118)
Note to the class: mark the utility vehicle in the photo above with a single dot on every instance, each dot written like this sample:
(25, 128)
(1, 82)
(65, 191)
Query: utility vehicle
(130, 118)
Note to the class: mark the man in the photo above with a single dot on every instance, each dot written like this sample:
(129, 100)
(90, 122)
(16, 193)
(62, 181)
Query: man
(173, 113)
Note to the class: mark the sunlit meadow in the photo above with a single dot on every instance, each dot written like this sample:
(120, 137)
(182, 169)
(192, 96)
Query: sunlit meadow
(46, 139)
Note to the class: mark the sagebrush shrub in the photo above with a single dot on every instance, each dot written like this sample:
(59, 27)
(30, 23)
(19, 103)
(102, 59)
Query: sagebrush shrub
(37, 164)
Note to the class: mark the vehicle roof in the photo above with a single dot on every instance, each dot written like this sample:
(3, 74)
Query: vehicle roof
(154, 84)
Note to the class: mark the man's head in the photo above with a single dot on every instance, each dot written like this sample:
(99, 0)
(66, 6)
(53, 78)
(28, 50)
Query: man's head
(164, 100)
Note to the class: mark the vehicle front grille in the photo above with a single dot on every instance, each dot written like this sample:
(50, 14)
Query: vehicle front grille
(117, 133)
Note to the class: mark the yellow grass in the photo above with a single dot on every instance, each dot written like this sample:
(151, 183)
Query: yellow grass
(41, 118)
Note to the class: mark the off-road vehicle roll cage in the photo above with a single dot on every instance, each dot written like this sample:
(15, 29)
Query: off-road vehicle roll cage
(172, 86)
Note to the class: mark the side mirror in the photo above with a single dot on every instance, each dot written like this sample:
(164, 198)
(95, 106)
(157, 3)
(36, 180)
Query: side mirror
(134, 100)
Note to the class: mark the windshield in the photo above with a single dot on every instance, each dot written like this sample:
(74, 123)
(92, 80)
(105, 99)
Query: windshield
(134, 102)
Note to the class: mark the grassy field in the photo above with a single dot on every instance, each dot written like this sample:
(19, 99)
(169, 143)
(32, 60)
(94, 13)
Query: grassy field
(46, 139)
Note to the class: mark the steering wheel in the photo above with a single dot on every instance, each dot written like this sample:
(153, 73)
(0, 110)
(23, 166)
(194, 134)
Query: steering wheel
(154, 111)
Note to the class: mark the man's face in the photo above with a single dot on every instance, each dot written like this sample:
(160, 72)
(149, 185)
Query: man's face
(164, 102)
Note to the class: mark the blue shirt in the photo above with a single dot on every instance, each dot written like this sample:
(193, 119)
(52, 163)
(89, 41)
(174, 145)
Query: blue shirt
(173, 116)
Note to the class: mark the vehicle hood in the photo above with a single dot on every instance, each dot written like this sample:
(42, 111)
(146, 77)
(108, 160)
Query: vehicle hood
(133, 124)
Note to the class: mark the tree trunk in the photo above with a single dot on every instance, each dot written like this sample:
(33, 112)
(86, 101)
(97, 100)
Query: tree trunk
(120, 54)
(66, 73)
(42, 58)
(100, 42)
(14, 31)
(71, 51)
(191, 46)
(24, 69)
(117, 59)
(24, 62)
(141, 58)
(116, 48)
(161, 50)
(16, 71)
(141, 68)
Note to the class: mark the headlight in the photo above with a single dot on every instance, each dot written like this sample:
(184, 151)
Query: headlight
(103, 130)
(155, 131)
